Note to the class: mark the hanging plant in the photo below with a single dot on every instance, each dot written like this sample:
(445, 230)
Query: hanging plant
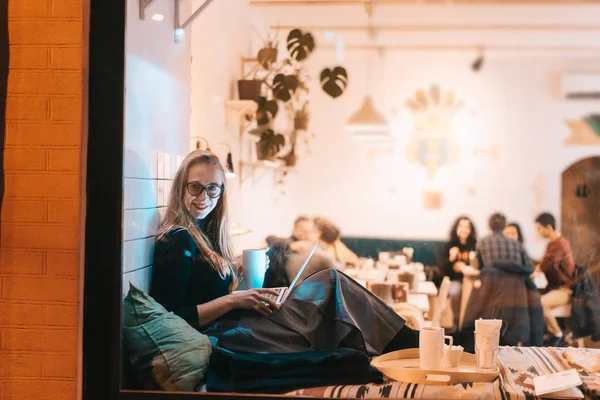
(334, 81)
(284, 86)
(267, 56)
(266, 111)
(269, 145)
(299, 44)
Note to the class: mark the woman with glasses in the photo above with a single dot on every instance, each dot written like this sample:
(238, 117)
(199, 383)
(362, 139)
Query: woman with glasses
(194, 276)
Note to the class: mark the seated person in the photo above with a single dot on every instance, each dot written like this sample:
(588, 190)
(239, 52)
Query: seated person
(455, 256)
(513, 231)
(507, 286)
(304, 229)
(193, 275)
(499, 248)
(559, 267)
(287, 258)
(329, 237)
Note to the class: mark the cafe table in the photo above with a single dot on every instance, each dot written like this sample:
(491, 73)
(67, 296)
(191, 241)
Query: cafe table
(419, 300)
(427, 288)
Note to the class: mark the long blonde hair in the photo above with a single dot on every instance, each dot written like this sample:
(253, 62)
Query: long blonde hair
(215, 241)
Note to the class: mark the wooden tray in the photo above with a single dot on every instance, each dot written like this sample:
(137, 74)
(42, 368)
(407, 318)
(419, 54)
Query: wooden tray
(403, 366)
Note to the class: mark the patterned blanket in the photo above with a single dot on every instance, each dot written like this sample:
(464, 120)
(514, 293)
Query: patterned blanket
(518, 367)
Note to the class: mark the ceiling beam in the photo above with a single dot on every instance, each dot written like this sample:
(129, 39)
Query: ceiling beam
(434, 28)
(409, 2)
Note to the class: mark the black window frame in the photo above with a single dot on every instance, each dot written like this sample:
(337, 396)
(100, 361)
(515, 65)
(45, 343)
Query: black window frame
(103, 206)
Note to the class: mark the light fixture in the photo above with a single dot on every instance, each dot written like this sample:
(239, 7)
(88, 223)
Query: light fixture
(367, 123)
(157, 17)
(230, 171)
(478, 62)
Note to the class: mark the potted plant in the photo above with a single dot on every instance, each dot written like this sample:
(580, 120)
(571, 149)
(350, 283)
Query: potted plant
(269, 145)
(250, 89)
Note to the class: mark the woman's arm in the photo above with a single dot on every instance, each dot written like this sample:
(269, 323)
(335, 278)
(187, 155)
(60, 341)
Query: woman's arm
(254, 299)
(447, 263)
(347, 255)
(171, 272)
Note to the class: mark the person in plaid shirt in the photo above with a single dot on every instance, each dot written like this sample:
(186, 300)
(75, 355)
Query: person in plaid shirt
(497, 247)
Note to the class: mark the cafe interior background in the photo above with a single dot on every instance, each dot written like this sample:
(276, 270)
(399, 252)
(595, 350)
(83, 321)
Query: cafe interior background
(428, 111)
(507, 126)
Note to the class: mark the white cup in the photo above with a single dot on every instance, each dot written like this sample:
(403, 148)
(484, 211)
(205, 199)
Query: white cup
(431, 348)
(254, 267)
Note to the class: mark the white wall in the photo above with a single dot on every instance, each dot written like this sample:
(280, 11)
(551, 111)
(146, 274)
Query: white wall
(157, 120)
(512, 103)
(157, 81)
(220, 37)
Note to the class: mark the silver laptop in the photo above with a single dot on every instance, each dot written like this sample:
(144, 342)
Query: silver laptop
(283, 292)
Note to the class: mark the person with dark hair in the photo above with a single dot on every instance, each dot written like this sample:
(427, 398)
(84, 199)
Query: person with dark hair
(513, 231)
(559, 267)
(499, 248)
(304, 229)
(455, 256)
(330, 240)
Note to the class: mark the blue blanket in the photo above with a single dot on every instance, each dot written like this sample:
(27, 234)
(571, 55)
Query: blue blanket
(281, 373)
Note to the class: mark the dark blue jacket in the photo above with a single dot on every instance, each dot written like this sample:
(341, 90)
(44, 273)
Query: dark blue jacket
(585, 308)
(507, 286)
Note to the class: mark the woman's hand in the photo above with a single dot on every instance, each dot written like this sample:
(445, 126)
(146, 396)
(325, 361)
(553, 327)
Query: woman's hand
(454, 253)
(458, 266)
(254, 299)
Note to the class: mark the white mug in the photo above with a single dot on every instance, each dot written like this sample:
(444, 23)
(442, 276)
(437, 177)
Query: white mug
(254, 267)
(431, 348)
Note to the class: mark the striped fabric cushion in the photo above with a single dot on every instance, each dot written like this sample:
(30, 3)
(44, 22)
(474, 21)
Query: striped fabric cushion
(518, 367)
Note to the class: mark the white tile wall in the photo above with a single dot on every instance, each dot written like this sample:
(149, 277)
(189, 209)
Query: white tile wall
(148, 180)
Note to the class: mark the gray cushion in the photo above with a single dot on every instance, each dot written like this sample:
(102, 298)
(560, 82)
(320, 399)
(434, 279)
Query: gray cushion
(160, 346)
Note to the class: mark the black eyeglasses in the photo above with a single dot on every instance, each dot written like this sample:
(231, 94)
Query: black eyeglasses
(212, 190)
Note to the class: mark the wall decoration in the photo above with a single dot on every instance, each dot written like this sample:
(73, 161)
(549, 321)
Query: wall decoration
(376, 152)
(432, 145)
(432, 200)
(585, 131)
(493, 152)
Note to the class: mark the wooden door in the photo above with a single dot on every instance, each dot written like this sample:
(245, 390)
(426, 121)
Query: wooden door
(581, 212)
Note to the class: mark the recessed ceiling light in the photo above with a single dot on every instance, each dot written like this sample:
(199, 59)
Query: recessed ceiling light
(158, 17)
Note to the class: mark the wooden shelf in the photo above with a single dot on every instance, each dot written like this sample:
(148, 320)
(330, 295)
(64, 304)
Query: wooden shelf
(241, 105)
(267, 164)
(240, 112)
(240, 231)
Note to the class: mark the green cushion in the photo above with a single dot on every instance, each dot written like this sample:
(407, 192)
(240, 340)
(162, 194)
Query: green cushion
(160, 346)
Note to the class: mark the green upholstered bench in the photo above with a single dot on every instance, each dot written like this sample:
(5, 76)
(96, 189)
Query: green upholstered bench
(426, 251)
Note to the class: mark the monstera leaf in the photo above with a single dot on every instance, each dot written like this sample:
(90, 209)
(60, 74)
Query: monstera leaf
(269, 145)
(299, 44)
(334, 81)
(267, 56)
(266, 111)
(284, 86)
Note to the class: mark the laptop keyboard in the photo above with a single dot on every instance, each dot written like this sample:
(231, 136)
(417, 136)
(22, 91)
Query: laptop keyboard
(273, 297)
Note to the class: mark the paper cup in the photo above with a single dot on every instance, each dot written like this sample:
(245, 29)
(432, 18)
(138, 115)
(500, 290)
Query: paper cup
(254, 267)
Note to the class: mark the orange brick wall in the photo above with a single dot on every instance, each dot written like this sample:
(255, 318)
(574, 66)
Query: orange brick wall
(39, 257)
